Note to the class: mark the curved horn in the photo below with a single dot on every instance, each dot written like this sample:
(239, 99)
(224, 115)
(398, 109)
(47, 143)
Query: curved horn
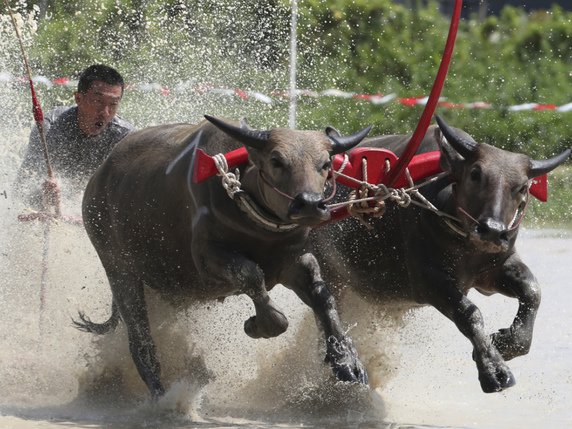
(465, 146)
(538, 168)
(341, 144)
(249, 137)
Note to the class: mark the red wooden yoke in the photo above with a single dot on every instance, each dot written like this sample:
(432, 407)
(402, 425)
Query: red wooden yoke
(420, 167)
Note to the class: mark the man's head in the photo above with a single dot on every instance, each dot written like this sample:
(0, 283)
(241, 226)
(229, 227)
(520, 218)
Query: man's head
(98, 95)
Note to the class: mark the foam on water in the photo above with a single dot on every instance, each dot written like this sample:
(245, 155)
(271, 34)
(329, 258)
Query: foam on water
(211, 367)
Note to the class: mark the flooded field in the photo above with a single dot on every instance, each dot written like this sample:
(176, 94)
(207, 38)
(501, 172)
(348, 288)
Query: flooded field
(422, 374)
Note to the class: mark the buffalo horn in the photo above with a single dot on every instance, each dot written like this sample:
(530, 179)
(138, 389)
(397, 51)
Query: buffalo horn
(538, 168)
(465, 146)
(341, 144)
(247, 136)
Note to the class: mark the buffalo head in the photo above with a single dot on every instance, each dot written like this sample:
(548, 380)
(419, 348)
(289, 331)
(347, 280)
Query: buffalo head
(490, 187)
(288, 169)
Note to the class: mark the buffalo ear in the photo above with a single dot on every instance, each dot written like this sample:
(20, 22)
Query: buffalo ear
(332, 132)
(450, 159)
(538, 168)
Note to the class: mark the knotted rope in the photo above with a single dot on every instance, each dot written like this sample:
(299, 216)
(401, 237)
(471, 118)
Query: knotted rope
(368, 201)
(230, 181)
(231, 184)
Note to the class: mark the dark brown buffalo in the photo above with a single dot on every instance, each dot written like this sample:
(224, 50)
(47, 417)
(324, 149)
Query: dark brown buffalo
(152, 226)
(414, 257)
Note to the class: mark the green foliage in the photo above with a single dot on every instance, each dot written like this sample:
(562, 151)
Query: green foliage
(381, 47)
(557, 211)
(363, 46)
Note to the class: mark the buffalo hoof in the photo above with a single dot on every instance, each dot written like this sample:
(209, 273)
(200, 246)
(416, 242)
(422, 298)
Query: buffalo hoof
(269, 327)
(510, 345)
(343, 358)
(496, 378)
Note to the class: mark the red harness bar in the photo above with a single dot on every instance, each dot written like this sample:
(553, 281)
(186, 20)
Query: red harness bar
(376, 160)
(205, 166)
(420, 167)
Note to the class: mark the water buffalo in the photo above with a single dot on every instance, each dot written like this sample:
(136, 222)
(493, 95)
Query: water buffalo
(152, 225)
(413, 256)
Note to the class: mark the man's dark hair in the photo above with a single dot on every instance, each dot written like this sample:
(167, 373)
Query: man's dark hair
(99, 72)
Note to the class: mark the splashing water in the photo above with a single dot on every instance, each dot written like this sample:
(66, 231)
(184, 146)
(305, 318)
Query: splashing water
(52, 375)
(51, 371)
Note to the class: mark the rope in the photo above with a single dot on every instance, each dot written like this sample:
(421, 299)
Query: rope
(359, 203)
(230, 181)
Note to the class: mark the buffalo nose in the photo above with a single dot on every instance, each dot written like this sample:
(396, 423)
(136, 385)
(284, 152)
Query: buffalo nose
(492, 230)
(308, 205)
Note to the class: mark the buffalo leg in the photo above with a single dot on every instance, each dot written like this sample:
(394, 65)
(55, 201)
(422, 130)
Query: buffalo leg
(231, 272)
(518, 282)
(494, 374)
(129, 296)
(306, 281)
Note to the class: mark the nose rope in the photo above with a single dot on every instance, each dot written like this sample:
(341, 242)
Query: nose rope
(467, 215)
(520, 211)
(288, 196)
(231, 184)
(516, 219)
(262, 175)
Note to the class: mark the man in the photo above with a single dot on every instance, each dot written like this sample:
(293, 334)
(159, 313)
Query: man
(78, 137)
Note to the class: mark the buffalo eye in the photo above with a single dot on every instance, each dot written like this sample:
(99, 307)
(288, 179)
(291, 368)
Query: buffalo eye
(327, 165)
(523, 189)
(276, 163)
(476, 174)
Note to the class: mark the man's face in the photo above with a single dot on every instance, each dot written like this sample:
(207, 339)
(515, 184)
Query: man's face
(97, 107)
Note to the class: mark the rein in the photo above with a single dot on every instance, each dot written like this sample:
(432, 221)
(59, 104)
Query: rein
(403, 197)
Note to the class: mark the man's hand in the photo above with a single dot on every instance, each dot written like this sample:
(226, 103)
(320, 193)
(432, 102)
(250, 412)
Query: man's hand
(51, 194)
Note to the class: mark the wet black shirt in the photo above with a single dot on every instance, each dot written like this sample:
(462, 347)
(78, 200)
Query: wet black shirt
(73, 155)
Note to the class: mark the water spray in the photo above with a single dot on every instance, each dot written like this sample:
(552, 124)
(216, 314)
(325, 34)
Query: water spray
(205, 166)
(50, 186)
(293, 65)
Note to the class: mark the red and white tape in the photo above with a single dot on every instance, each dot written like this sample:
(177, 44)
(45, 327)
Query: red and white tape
(280, 96)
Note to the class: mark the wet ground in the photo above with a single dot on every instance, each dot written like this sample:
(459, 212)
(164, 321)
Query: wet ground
(53, 376)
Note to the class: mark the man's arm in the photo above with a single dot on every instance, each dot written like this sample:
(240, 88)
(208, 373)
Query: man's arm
(33, 170)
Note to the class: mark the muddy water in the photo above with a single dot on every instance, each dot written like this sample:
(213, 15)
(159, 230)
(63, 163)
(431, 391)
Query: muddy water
(421, 371)
(52, 375)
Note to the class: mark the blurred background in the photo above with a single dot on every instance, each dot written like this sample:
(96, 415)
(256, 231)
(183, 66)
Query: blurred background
(356, 62)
